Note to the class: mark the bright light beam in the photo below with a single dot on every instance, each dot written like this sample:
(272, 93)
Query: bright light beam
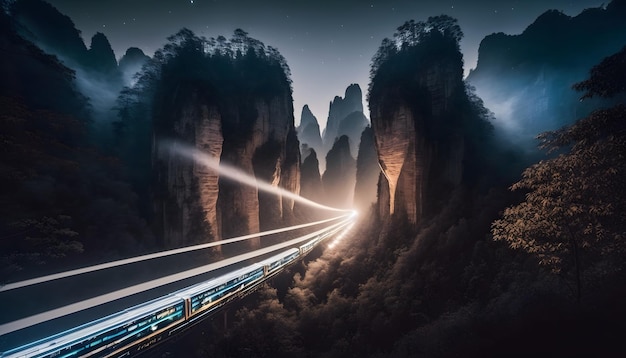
(238, 175)
(128, 291)
(107, 265)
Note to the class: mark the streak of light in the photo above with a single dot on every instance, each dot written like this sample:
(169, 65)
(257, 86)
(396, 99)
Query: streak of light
(107, 265)
(131, 290)
(238, 175)
(340, 236)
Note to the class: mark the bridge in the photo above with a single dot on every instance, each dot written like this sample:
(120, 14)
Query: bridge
(122, 308)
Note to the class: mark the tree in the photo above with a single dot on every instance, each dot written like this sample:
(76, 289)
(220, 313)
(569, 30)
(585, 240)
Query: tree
(574, 216)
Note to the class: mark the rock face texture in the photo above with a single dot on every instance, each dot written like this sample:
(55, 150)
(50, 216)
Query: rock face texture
(188, 205)
(339, 178)
(419, 137)
(367, 171)
(194, 196)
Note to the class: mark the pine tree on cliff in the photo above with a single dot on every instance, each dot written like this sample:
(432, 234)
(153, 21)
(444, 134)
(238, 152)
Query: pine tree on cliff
(215, 94)
(431, 134)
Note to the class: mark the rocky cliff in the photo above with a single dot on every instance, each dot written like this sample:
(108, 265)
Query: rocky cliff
(197, 197)
(131, 63)
(188, 191)
(247, 128)
(426, 129)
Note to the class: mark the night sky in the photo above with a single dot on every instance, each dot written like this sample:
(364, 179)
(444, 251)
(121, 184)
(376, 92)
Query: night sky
(327, 44)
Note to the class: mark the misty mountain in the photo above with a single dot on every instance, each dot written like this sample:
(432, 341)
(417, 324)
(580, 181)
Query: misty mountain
(310, 179)
(309, 132)
(526, 79)
(339, 178)
(101, 58)
(352, 126)
(130, 64)
(64, 202)
(98, 75)
(342, 119)
(367, 172)
(42, 24)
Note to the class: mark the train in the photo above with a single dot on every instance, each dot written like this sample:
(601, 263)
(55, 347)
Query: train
(135, 329)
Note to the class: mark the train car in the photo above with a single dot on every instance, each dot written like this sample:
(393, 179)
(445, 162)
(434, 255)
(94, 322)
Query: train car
(216, 292)
(275, 263)
(110, 335)
(304, 249)
(140, 327)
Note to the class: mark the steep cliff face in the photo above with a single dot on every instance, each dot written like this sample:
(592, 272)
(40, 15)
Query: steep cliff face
(241, 114)
(367, 171)
(200, 205)
(339, 178)
(421, 125)
(419, 149)
(187, 199)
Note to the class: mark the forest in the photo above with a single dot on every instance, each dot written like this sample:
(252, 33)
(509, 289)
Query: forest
(471, 245)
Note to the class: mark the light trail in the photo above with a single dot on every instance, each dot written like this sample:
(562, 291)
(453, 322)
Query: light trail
(341, 236)
(128, 291)
(240, 176)
(107, 265)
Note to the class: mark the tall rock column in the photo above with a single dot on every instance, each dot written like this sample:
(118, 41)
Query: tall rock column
(187, 191)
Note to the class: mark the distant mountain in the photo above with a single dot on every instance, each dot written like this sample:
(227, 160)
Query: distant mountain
(340, 175)
(96, 68)
(63, 201)
(311, 181)
(526, 79)
(338, 110)
(101, 56)
(309, 132)
(131, 63)
(367, 171)
(352, 126)
(55, 33)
